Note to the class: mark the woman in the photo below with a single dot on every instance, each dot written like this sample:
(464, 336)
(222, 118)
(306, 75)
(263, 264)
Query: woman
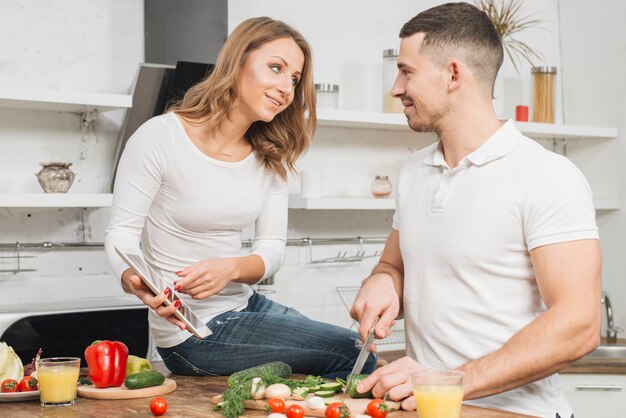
(191, 179)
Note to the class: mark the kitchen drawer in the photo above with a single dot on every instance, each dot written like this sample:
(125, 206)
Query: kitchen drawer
(595, 395)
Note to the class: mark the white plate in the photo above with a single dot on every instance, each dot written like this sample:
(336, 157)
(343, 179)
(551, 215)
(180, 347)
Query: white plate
(19, 396)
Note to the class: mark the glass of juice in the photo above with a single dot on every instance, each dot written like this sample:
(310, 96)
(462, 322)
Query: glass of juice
(438, 394)
(58, 379)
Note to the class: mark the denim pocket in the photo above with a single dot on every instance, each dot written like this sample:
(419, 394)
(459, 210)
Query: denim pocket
(177, 364)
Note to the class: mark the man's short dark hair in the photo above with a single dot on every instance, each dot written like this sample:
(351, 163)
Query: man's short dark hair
(459, 29)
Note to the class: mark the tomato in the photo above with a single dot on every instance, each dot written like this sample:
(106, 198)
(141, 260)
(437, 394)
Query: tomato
(158, 406)
(337, 410)
(276, 405)
(377, 408)
(28, 384)
(9, 385)
(294, 411)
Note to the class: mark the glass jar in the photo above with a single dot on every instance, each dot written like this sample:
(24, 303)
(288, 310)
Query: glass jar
(543, 94)
(327, 96)
(390, 71)
(381, 186)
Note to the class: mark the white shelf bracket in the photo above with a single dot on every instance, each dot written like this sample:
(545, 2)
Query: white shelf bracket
(559, 145)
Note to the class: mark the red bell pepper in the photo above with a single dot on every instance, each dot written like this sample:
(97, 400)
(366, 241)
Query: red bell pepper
(106, 361)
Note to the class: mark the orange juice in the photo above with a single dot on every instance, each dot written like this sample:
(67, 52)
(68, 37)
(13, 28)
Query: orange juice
(438, 401)
(58, 384)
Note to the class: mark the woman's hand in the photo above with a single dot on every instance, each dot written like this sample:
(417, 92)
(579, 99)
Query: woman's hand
(207, 277)
(131, 283)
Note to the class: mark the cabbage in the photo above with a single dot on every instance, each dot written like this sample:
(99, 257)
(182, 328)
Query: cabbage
(10, 364)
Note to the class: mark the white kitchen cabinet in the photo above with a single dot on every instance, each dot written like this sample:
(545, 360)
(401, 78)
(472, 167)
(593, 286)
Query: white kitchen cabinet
(596, 395)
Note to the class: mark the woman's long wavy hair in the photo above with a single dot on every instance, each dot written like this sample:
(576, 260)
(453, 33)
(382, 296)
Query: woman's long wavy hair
(278, 143)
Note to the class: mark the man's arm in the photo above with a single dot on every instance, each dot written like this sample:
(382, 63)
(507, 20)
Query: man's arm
(381, 293)
(569, 279)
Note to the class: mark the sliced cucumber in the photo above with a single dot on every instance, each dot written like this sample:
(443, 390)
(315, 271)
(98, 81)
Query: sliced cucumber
(328, 401)
(301, 392)
(324, 393)
(314, 388)
(334, 386)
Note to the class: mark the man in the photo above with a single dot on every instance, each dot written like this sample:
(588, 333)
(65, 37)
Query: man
(493, 257)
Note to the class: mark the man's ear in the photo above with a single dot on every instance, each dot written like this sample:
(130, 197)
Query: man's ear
(456, 74)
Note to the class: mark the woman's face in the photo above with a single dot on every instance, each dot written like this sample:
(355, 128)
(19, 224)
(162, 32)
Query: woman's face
(268, 79)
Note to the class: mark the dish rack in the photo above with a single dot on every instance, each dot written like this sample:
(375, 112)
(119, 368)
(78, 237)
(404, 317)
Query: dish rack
(348, 294)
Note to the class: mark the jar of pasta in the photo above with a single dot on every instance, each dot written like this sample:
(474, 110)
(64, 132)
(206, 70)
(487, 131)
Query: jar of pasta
(544, 90)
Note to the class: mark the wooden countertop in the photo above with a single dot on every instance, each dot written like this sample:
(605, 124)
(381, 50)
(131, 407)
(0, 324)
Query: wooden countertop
(191, 399)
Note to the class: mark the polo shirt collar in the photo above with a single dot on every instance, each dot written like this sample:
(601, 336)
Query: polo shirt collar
(496, 146)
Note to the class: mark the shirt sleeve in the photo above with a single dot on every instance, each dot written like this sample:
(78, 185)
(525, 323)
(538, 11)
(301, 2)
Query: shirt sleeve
(271, 227)
(139, 175)
(559, 207)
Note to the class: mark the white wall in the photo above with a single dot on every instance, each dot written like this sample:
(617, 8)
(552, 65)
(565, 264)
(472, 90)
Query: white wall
(91, 46)
(594, 55)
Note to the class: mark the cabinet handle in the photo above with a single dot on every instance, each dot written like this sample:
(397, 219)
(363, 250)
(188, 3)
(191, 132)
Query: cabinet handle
(606, 388)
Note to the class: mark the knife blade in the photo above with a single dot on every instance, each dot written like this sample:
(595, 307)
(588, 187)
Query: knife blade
(362, 358)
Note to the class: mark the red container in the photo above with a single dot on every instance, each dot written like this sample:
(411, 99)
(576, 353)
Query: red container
(521, 113)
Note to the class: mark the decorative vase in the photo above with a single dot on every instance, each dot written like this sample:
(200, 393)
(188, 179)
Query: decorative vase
(381, 186)
(55, 177)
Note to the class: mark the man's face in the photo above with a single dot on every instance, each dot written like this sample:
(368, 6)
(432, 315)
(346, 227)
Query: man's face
(421, 84)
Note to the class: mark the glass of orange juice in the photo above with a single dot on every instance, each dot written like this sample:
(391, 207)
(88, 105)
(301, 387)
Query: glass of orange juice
(58, 379)
(438, 394)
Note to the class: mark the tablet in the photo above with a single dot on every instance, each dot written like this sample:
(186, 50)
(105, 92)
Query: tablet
(135, 261)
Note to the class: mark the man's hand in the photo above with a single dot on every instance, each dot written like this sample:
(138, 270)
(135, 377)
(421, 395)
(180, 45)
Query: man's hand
(131, 283)
(395, 380)
(376, 298)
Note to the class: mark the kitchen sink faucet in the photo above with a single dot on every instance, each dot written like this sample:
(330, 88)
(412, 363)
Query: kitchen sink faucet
(611, 329)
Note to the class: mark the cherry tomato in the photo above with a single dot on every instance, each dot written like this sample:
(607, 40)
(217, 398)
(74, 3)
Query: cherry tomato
(276, 405)
(28, 384)
(9, 385)
(158, 406)
(337, 410)
(377, 408)
(294, 411)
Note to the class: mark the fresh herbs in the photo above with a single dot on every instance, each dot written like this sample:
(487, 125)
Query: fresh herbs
(239, 390)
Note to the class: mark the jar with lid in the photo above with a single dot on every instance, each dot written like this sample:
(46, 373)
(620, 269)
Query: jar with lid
(381, 186)
(543, 94)
(327, 95)
(390, 71)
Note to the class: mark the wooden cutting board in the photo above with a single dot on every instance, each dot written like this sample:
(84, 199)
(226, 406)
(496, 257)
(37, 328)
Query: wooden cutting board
(356, 406)
(123, 392)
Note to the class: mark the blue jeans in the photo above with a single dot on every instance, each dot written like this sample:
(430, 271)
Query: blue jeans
(267, 331)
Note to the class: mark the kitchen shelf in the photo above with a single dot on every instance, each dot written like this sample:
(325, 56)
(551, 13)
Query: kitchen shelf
(62, 101)
(55, 200)
(299, 202)
(397, 121)
(366, 203)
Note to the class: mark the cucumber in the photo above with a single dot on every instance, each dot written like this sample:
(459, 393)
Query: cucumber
(144, 379)
(300, 391)
(325, 393)
(314, 388)
(334, 386)
(351, 390)
(276, 368)
(328, 401)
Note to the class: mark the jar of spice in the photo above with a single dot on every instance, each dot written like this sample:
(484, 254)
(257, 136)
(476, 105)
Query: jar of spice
(381, 186)
(327, 96)
(543, 94)
(390, 71)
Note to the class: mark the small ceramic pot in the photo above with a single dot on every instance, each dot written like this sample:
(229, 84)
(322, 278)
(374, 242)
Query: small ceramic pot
(55, 177)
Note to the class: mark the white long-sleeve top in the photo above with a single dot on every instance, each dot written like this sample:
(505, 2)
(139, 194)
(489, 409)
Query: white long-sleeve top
(184, 206)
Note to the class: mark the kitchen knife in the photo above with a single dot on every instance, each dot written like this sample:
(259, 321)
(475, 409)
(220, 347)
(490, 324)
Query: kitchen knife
(362, 358)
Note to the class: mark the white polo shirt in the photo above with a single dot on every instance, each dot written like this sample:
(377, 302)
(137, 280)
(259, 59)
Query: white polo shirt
(465, 237)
